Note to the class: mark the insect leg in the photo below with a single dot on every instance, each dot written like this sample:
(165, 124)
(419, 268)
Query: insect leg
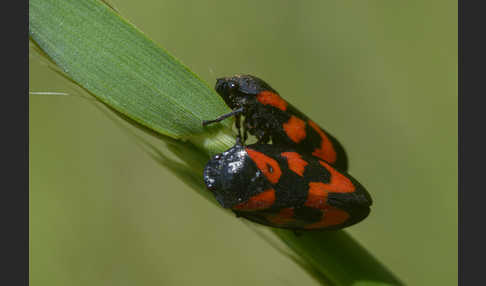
(224, 116)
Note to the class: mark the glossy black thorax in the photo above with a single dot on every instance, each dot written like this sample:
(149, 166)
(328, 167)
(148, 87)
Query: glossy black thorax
(233, 177)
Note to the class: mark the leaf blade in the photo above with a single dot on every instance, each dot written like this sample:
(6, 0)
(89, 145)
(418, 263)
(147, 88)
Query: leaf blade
(122, 67)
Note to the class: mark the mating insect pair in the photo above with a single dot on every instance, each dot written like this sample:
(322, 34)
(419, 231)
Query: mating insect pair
(297, 182)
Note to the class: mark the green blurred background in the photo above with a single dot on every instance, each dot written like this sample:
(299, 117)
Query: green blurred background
(379, 75)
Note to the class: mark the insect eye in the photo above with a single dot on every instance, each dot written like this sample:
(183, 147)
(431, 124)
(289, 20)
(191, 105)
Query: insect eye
(232, 86)
(225, 86)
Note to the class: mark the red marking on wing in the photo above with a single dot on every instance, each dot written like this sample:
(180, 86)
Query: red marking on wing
(261, 201)
(331, 216)
(267, 165)
(295, 162)
(317, 195)
(339, 183)
(318, 191)
(326, 150)
(283, 217)
(270, 98)
(295, 129)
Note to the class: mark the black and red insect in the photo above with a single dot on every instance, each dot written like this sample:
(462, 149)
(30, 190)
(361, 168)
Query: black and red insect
(297, 182)
(270, 118)
(280, 187)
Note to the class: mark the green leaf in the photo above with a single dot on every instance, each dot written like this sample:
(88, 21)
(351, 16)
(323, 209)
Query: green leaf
(144, 85)
(113, 60)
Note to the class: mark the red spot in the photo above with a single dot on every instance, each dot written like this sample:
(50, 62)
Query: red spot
(270, 98)
(261, 201)
(331, 216)
(267, 165)
(317, 194)
(284, 216)
(295, 162)
(326, 150)
(295, 129)
(339, 183)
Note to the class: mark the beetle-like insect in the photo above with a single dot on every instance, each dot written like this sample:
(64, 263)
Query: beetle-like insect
(281, 187)
(269, 117)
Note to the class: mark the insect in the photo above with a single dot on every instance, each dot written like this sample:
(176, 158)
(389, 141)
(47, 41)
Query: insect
(269, 117)
(281, 187)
